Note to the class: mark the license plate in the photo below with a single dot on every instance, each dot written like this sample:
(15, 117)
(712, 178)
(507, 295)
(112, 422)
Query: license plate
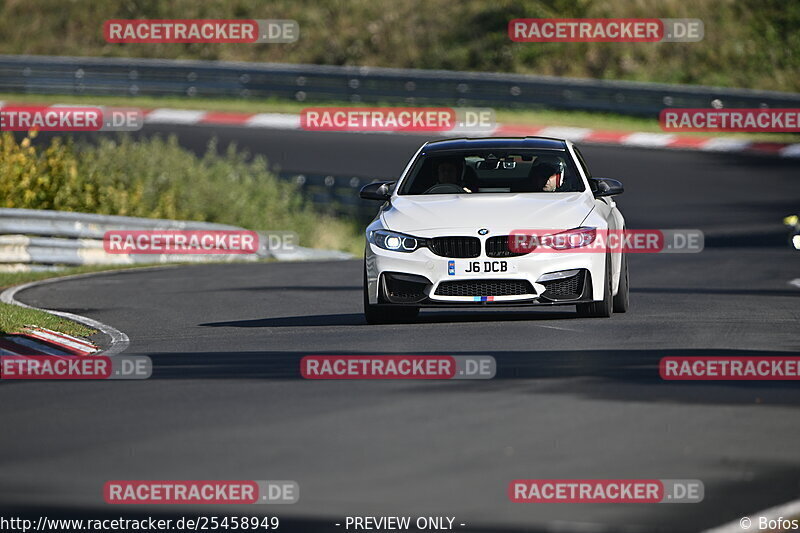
(473, 268)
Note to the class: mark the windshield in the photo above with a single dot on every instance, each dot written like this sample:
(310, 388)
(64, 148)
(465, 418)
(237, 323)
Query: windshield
(492, 172)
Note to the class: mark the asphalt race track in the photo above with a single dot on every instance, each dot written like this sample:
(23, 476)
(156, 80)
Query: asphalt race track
(573, 398)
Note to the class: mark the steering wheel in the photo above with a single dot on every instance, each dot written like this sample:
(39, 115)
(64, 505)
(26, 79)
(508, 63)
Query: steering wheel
(445, 188)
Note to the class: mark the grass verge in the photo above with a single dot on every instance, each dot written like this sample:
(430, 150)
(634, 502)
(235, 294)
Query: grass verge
(14, 318)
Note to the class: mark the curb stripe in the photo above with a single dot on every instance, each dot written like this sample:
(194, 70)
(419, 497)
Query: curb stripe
(75, 340)
(575, 134)
(792, 150)
(174, 116)
(8, 347)
(29, 346)
(215, 117)
(722, 144)
(564, 132)
(274, 120)
(119, 340)
(606, 136)
(657, 140)
(694, 143)
(62, 341)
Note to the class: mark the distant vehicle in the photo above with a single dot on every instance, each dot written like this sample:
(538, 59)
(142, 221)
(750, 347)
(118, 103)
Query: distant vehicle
(442, 236)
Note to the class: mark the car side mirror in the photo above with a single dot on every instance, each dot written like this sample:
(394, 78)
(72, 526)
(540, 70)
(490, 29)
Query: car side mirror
(605, 187)
(380, 190)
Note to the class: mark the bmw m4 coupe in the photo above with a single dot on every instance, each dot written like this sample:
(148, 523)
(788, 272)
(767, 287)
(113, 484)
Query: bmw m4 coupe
(493, 222)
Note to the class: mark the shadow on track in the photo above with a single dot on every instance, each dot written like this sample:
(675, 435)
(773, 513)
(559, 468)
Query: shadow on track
(624, 375)
(427, 317)
(313, 288)
(727, 292)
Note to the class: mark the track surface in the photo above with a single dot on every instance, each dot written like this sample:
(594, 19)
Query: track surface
(574, 398)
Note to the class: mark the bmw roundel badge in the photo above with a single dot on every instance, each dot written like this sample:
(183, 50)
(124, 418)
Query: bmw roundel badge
(483, 231)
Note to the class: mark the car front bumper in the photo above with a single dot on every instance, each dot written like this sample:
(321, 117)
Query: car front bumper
(422, 278)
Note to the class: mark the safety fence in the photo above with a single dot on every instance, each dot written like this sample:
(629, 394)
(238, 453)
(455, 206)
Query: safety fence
(319, 83)
(33, 239)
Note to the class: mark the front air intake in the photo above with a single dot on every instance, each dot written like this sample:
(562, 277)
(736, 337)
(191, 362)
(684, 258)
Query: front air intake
(456, 247)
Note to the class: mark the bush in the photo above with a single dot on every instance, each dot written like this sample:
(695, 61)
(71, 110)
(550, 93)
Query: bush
(156, 178)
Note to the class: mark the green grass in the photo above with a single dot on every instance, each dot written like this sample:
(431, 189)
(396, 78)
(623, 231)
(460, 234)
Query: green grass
(747, 43)
(532, 117)
(13, 319)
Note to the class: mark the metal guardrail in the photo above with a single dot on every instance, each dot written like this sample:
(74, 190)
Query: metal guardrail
(33, 239)
(334, 193)
(156, 77)
(88, 225)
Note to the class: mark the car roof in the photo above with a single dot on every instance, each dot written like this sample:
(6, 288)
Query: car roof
(496, 143)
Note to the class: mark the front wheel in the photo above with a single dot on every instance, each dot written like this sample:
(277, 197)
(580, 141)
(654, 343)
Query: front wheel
(605, 307)
(384, 314)
(621, 298)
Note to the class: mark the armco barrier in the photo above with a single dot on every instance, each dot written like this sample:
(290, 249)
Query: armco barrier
(336, 194)
(33, 239)
(156, 77)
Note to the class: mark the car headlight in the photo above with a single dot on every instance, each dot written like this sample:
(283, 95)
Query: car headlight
(574, 238)
(393, 241)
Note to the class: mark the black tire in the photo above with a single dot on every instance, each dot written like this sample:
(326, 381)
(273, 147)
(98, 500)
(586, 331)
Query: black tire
(386, 314)
(605, 307)
(621, 302)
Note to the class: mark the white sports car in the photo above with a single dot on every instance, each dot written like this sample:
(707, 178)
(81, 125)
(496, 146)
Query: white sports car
(442, 236)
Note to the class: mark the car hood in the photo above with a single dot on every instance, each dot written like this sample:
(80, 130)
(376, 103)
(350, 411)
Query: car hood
(428, 215)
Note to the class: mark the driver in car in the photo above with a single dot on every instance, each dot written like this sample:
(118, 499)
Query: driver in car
(447, 173)
(547, 177)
